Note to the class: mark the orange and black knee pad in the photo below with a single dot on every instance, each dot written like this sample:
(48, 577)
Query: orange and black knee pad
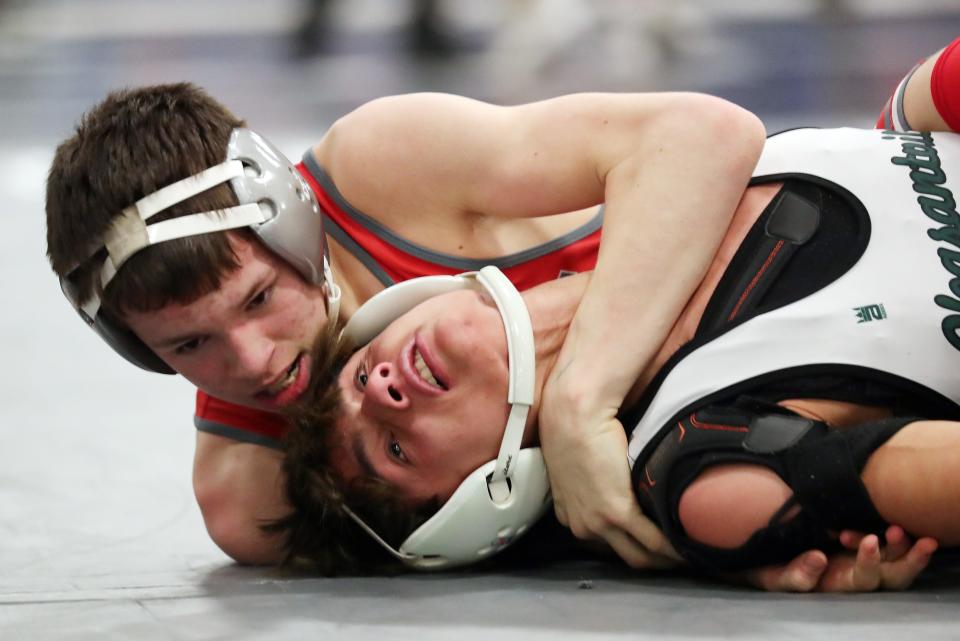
(821, 465)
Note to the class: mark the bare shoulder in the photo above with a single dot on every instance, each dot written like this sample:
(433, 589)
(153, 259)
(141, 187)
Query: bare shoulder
(433, 160)
(402, 153)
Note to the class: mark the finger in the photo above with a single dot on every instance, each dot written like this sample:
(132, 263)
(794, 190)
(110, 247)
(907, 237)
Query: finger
(897, 545)
(865, 574)
(800, 575)
(899, 575)
(850, 539)
(647, 534)
(634, 554)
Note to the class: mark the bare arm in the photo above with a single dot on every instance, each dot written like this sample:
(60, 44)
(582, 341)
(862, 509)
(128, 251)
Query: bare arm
(238, 487)
(423, 157)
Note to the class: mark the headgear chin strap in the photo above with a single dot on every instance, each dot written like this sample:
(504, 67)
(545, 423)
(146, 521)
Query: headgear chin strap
(501, 499)
(275, 202)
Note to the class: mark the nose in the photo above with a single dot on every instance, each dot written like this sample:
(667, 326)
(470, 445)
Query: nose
(385, 388)
(249, 352)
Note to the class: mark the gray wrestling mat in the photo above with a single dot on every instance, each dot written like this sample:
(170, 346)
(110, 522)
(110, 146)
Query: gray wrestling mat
(214, 600)
(100, 538)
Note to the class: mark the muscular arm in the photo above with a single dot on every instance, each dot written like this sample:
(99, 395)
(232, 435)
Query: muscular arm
(238, 487)
(422, 158)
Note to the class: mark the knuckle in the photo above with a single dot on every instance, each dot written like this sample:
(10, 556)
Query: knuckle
(561, 514)
(579, 530)
(638, 561)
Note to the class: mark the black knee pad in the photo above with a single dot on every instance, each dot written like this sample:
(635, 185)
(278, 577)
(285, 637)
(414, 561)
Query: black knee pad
(821, 465)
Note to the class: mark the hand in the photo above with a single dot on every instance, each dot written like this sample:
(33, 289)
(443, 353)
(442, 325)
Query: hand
(592, 494)
(894, 567)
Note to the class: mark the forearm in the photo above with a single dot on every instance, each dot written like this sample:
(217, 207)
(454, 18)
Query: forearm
(668, 206)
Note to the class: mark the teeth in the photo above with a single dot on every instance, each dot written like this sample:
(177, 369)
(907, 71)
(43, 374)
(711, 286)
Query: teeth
(291, 376)
(425, 372)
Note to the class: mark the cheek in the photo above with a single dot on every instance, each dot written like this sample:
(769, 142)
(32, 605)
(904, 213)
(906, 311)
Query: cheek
(207, 375)
(298, 313)
(483, 424)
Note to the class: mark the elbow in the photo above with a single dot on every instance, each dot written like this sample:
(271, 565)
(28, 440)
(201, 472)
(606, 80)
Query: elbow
(243, 541)
(233, 526)
(731, 132)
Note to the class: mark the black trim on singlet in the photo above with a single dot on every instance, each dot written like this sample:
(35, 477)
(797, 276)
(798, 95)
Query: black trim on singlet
(235, 433)
(438, 258)
(358, 252)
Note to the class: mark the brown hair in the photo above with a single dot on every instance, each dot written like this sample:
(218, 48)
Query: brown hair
(321, 537)
(128, 146)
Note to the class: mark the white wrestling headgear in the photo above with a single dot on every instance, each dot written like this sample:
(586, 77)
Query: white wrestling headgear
(275, 202)
(500, 500)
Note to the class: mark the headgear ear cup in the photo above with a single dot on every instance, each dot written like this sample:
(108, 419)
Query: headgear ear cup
(294, 227)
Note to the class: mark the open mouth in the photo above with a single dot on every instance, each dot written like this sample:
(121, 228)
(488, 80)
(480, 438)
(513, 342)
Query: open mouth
(287, 380)
(289, 386)
(425, 372)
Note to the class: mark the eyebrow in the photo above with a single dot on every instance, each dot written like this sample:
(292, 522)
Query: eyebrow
(361, 455)
(176, 340)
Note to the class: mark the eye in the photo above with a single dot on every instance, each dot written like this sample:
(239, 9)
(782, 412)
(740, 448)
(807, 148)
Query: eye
(360, 376)
(189, 346)
(260, 299)
(396, 451)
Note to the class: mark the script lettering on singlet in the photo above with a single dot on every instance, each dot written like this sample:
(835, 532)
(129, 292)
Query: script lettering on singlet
(938, 204)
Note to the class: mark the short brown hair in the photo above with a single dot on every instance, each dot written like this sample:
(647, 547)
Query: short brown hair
(128, 146)
(321, 537)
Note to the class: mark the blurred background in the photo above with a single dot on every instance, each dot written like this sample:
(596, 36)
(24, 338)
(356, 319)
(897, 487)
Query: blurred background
(99, 533)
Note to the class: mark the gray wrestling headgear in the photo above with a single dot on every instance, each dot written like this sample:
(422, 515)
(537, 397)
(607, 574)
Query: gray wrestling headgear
(275, 202)
(500, 500)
